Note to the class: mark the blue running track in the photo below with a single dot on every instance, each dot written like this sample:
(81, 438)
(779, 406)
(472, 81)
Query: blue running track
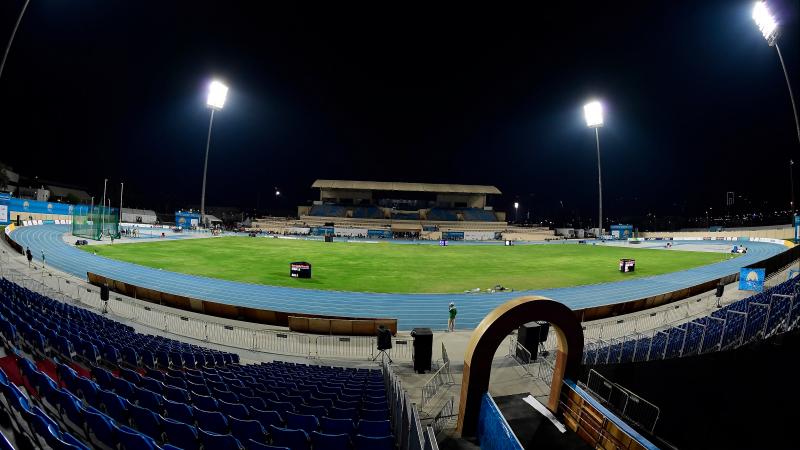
(411, 310)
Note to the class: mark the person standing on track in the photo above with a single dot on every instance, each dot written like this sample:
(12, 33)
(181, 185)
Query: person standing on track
(451, 323)
(43, 265)
(29, 255)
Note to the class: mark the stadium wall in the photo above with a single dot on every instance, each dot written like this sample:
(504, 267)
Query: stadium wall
(786, 232)
(330, 325)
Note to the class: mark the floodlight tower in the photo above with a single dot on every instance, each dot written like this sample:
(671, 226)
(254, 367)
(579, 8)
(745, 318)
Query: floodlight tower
(768, 25)
(217, 92)
(593, 112)
(516, 206)
(11, 39)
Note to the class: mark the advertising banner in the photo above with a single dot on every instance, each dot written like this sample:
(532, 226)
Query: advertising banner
(5, 200)
(751, 279)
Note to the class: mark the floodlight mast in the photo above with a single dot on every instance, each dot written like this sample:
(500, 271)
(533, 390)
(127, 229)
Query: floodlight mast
(13, 34)
(217, 93)
(593, 112)
(768, 26)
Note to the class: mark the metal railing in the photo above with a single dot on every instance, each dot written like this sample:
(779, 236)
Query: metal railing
(445, 418)
(436, 383)
(623, 401)
(760, 319)
(405, 418)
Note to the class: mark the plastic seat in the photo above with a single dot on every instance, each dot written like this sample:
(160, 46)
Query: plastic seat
(148, 399)
(216, 441)
(340, 413)
(374, 428)
(205, 403)
(130, 357)
(236, 410)
(69, 408)
(337, 426)
(154, 374)
(253, 445)
(361, 442)
(330, 441)
(197, 389)
(318, 411)
(245, 430)
(122, 387)
(253, 402)
(180, 434)
(210, 420)
(152, 384)
(303, 422)
(176, 394)
(129, 375)
(145, 421)
(324, 402)
(130, 439)
(294, 439)
(100, 430)
(267, 418)
(178, 411)
(102, 377)
(114, 406)
(281, 407)
(374, 414)
(225, 395)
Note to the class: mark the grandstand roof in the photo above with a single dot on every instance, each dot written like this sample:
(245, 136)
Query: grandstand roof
(405, 187)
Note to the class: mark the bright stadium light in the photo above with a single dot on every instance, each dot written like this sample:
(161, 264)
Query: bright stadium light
(217, 92)
(765, 22)
(593, 112)
(768, 25)
(516, 206)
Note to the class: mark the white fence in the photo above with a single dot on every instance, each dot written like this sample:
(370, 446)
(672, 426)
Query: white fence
(260, 340)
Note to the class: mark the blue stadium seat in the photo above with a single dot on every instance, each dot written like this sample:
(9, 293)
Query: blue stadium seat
(253, 445)
(99, 428)
(180, 434)
(147, 399)
(318, 411)
(337, 426)
(205, 403)
(294, 439)
(253, 402)
(130, 439)
(336, 413)
(374, 428)
(330, 441)
(236, 410)
(145, 421)
(113, 405)
(245, 430)
(267, 418)
(301, 422)
(373, 443)
(178, 411)
(216, 441)
(210, 420)
(374, 414)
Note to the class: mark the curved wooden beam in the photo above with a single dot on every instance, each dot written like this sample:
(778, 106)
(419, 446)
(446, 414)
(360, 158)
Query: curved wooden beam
(490, 333)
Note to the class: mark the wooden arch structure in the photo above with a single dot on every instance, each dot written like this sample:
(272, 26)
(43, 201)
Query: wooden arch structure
(490, 333)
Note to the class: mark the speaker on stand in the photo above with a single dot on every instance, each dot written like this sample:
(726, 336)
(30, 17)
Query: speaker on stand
(104, 297)
(384, 343)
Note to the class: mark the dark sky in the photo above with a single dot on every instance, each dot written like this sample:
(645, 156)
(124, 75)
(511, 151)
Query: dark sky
(696, 101)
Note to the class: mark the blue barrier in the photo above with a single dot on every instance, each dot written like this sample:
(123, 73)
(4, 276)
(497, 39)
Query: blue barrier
(5, 200)
(610, 416)
(494, 433)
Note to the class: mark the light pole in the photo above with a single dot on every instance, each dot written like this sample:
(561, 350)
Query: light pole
(217, 92)
(102, 212)
(121, 189)
(593, 112)
(11, 39)
(769, 28)
(516, 207)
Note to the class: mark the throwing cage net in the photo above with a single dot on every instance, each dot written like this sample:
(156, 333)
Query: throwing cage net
(94, 223)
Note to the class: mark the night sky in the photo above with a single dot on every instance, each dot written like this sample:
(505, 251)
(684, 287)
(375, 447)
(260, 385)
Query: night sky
(696, 102)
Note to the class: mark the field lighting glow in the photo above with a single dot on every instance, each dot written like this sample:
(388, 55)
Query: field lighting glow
(217, 92)
(593, 112)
